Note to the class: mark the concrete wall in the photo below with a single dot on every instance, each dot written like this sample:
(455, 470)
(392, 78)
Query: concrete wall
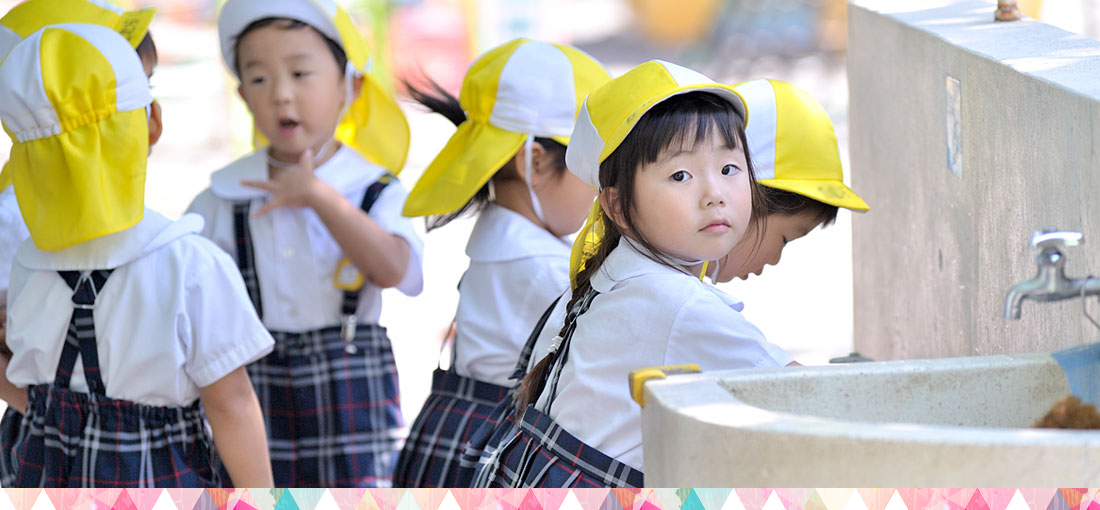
(937, 252)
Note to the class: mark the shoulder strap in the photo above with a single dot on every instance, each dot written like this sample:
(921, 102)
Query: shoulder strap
(246, 260)
(81, 337)
(560, 352)
(529, 346)
(351, 297)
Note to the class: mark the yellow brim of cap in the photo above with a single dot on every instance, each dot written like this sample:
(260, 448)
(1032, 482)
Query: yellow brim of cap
(473, 154)
(133, 25)
(375, 126)
(829, 192)
(5, 177)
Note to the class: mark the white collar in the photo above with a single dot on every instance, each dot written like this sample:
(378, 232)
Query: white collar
(111, 250)
(502, 234)
(626, 262)
(345, 171)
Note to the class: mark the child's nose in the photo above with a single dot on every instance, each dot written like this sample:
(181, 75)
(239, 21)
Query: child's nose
(282, 91)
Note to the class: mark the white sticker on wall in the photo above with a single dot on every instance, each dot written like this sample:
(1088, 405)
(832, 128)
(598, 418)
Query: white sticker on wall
(954, 126)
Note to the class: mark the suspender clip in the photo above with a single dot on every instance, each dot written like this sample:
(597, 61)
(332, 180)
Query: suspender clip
(347, 332)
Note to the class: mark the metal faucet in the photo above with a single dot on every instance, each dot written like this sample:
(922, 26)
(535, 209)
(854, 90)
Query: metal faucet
(1050, 282)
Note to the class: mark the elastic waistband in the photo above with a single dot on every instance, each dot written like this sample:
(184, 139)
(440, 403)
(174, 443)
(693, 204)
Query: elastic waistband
(327, 339)
(110, 410)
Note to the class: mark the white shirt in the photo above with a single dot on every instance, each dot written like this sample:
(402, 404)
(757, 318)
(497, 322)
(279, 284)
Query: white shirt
(646, 315)
(173, 317)
(296, 256)
(13, 231)
(516, 270)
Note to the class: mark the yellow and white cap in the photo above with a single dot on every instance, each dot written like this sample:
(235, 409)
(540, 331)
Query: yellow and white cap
(793, 145)
(608, 116)
(520, 89)
(30, 16)
(73, 99)
(373, 124)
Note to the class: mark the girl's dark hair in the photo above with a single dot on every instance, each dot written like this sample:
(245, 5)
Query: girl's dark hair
(790, 203)
(147, 49)
(286, 24)
(437, 99)
(684, 118)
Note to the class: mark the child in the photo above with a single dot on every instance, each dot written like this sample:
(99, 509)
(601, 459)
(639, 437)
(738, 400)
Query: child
(515, 112)
(23, 20)
(799, 166)
(317, 233)
(665, 147)
(128, 413)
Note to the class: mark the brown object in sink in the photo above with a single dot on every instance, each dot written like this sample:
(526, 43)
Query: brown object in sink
(1070, 413)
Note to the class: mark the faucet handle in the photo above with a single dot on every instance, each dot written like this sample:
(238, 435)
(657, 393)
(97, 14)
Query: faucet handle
(1051, 237)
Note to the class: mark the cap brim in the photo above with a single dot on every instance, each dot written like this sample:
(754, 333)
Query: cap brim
(829, 192)
(723, 91)
(5, 176)
(473, 154)
(134, 25)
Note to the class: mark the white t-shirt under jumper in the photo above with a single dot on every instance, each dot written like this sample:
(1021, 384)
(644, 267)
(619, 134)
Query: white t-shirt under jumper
(295, 255)
(647, 314)
(13, 231)
(516, 270)
(172, 317)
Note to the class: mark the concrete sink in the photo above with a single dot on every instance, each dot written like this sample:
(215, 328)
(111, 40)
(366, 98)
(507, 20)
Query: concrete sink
(950, 422)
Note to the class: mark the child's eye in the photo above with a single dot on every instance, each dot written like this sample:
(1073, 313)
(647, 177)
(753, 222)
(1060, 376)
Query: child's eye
(257, 80)
(680, 176)
(301, 74)
(730, 170)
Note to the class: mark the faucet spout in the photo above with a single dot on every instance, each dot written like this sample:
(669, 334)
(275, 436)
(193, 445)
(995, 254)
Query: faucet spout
(1050, 282)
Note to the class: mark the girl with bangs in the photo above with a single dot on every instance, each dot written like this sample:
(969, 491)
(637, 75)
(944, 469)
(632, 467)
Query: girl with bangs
(666, 148)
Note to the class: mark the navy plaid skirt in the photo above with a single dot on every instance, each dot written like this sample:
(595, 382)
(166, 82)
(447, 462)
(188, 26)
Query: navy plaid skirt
(542, 454)
(455, 409)
(333, 418)
(481, 449)
(75, 439)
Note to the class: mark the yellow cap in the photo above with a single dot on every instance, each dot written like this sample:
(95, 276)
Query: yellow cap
(520, 88)
(793, 145)
(73, 99)
(608, 116)
(373, 124)
(30, 16)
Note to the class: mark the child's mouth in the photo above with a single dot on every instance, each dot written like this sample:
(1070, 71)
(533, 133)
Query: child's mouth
(716, 228)
(287, 126)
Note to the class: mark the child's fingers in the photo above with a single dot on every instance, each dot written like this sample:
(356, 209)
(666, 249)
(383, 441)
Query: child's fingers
(263, 185)
(306, 160)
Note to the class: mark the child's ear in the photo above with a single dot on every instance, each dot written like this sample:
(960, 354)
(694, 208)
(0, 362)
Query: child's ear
(539, 167)
(356, 86)
(156, 123)
(609, 202)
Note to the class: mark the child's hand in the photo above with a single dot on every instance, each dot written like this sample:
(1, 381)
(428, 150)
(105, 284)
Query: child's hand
(293, 186)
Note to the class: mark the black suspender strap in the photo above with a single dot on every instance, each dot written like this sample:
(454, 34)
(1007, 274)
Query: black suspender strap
(529, 347)
(81, 337)
(350, 303)
(246, 260)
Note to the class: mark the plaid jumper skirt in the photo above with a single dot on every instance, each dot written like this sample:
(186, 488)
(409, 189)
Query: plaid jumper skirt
(499, 424)
(537, 452)
(75, 439)
(455, 411)
(331, 406)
